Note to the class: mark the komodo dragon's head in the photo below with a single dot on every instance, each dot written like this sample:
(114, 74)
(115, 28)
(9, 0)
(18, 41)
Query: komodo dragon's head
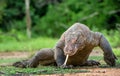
(74, 41)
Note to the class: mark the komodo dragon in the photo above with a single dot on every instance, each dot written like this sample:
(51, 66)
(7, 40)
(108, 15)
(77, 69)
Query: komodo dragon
(77, 42)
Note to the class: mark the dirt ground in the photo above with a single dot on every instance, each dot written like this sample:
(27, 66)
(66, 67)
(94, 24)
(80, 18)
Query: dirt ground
(5, 55)
(92, 71)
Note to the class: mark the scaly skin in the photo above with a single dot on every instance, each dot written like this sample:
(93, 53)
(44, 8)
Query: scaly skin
(77, 42)
(43, 57)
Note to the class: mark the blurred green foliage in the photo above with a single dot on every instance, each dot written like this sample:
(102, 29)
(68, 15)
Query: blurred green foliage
(52, 17)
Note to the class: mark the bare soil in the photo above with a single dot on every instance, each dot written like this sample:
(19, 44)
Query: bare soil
(92, 71)
(5, 55)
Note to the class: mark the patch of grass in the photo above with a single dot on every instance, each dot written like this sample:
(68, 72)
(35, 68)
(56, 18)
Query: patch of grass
(9, 70)
(95, 58)
(38, 71)
(28, 45)
(117, 52)
(9, 60)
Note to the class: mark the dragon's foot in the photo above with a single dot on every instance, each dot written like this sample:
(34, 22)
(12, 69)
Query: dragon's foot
(20, 64)
(92, 63)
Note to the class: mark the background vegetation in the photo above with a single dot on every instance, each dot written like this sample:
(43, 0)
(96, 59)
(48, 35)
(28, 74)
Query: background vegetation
(50, 18)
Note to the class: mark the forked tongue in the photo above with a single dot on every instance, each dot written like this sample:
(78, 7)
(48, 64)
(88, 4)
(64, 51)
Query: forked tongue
(66, 59)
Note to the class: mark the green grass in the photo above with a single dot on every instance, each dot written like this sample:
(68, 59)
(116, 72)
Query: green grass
(28, 45)
(117, 51)
(9, 70)
(9, 60)
(38, 71)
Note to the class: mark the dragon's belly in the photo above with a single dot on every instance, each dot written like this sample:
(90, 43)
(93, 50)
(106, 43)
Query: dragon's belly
(79, 58)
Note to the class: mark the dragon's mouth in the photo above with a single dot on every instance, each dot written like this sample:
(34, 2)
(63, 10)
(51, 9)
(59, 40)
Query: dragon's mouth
(70, 50)
(70, 53)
